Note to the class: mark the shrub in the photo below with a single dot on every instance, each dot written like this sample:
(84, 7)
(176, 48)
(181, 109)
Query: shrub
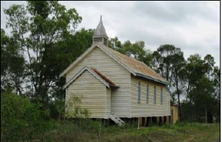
(73, 108)
(21, 119)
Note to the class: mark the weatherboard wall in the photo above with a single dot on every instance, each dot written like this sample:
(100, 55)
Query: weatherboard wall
(120, 98)
(93, 94)
(148, 109)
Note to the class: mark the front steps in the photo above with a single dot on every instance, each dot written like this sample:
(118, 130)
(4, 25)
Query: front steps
(117, 120)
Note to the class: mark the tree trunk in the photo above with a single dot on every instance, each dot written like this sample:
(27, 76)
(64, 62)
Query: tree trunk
(178, 97)
(179, 109)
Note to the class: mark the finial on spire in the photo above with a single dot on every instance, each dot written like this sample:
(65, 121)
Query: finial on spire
(100, 18)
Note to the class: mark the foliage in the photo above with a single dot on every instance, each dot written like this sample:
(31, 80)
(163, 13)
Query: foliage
(75, 119)
(37, 29)
(73, 108)
(202, 103)
(44, 34)
(12, 64)
(169, 61)
(136, 50)
(21, 119)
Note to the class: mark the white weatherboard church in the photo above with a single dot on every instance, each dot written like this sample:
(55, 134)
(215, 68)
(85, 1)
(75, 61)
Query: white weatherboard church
(115, 86)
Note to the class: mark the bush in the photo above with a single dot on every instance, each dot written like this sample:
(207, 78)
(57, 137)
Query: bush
(21, 119)
(73, 108)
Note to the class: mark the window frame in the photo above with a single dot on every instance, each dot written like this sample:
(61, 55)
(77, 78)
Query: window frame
(154, 94)
(147, 93)
(161, 96)
(139, 92)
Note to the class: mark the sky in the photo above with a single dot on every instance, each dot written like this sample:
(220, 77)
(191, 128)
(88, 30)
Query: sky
(192, 26)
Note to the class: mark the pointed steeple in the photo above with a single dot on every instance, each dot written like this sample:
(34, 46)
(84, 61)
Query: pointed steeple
(100, 35)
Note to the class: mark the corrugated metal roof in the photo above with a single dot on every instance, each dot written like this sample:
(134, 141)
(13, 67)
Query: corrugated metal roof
(136, 66)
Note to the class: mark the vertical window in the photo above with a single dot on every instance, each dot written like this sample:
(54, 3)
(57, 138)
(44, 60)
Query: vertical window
(147, 94)
(139, 92)
(161, 96)
(154, 94)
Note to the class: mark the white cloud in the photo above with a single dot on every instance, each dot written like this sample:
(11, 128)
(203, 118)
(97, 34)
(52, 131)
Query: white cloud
(192, 26)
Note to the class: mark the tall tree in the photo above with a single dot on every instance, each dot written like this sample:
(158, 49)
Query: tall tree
(201, 88)
(162, 60)
(178, 79)
(64, 53)
(202, 97)
(169, 61)
(37, 29)
(195, 70)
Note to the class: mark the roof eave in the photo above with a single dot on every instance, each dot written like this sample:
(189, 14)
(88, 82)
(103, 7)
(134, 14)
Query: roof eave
(77, 60)
(80, 72)
(153, 79)
(114, 86)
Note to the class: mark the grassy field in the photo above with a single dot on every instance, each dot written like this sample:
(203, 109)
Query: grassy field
(185, 132)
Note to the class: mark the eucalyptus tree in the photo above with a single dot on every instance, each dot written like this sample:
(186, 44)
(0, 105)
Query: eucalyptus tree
(169, 61)
(37, 28)
(202, 87)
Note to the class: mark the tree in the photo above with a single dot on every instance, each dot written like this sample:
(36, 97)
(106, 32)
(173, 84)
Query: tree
(202, 97)
(178, 80)
(162, 60)
(37, 29)
(136, 50)
(201, 88)
(12, 64)
(216, 82)
(115, 44)
(168, 60)
(195, 70)
(64, 53)
(209, 63)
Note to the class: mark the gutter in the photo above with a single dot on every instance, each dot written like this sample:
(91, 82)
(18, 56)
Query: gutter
(150, 78)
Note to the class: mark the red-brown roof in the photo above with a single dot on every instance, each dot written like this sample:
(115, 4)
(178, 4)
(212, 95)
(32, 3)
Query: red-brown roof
(111, 83)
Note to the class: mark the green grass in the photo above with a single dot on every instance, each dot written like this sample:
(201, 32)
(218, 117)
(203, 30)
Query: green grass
(92, 132)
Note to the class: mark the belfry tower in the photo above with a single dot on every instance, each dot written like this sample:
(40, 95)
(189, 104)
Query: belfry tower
(100, 35)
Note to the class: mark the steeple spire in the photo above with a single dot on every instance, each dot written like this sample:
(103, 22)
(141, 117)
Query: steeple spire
(100, 35)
